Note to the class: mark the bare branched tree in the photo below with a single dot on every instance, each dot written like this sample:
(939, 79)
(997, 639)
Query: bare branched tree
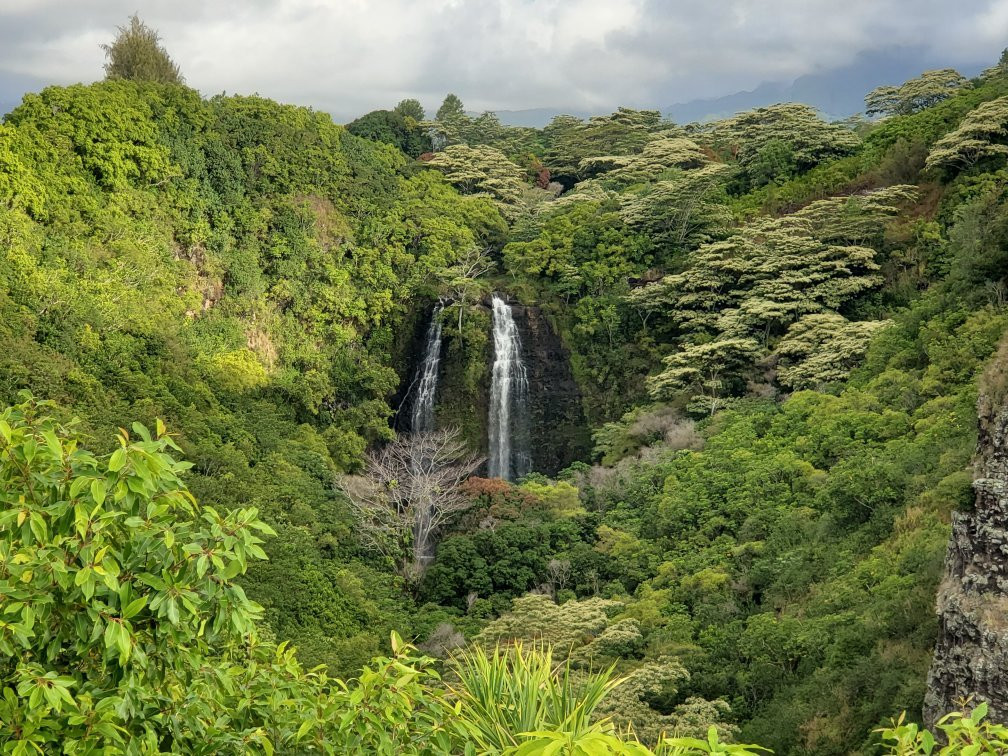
(557, 574)
(409, 489)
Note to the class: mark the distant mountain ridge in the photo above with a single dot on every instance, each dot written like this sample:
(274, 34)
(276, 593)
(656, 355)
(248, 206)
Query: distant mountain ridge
(836, 93)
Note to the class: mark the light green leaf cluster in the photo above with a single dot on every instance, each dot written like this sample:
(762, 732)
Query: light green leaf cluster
(658, 157)
(810, 140)
(681, 211)
(822, 348)
(736, 294)
(963, 733)
(982, 134)
(137, 54)
(481, 170)
(924, 91)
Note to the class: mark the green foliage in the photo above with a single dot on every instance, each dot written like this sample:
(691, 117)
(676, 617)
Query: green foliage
(238, 268)
(769, 143)
(682, 211)
(569, 141)
(980, 136)
(924, 91)
(123, 626)
(821, 349)
(963, 732)
(137, 54)
(736, 294)
(451, 109)
(706, 370)
(395, 128)
(481, 171)
(410, 108)
(512, 695)
(252, 273)
(711, 745)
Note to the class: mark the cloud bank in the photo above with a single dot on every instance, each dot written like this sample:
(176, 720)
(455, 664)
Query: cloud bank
(350, 56)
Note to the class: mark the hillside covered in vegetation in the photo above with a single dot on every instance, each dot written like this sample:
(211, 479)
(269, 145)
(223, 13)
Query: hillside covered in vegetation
(771, 328)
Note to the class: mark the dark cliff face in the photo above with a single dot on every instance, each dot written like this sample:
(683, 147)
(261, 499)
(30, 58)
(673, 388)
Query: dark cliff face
(971, 656)
(558, 429)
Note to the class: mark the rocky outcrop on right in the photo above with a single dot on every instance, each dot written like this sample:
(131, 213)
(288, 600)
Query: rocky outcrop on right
(971, 655)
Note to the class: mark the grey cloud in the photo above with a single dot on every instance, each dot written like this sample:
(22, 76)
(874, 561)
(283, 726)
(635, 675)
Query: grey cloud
(349, 56)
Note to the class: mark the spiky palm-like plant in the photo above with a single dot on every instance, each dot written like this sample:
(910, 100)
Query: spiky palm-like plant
(509, 695)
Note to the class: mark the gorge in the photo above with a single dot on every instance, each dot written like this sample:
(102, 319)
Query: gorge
(700, 403)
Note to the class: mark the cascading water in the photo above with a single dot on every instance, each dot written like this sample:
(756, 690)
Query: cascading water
(422, 418)
(508, 427)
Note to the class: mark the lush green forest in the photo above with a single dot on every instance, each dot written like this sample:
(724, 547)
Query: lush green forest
(208, 310)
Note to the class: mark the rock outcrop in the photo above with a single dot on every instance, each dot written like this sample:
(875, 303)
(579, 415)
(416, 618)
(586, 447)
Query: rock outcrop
(557, 427)
(971, 656)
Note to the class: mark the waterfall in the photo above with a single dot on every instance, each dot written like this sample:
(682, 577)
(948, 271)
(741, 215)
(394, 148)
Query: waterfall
(508, 427)
(422, 418)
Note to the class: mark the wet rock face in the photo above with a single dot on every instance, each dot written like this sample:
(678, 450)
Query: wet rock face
(971, 656)
(558, 429)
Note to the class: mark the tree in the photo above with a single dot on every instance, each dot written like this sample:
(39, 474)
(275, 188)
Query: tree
(410, 108)
(451, 110)
(822, 348)
(772, 271)
(788, 135)
(392, 128)
(463, 278)
(658, 157)
(999, 69)
(407, 492)
(683, 211)
(481, 170)
(982, 134)
(705, 371)
(137, 54)
(570, 140)
(558, 572)
(928, 89)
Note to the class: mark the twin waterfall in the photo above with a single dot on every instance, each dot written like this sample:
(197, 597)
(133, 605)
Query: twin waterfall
(507, 431)
(508, 454)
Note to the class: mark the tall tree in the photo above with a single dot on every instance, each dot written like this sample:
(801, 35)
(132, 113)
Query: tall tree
(928, 89)
(706, 372)
(410, 108)
(821, 348)
(137, 54)
(451, 109)
(408, 492)
(982, 134)
(481, 170)
(787, 134)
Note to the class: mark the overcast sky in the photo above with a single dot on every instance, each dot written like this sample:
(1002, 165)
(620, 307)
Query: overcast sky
(350, 56)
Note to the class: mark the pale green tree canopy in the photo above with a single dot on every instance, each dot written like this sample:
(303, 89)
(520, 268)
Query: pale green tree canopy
(684, 210)
(481, 170)
(657, 157)
(928, 89)
(570, 140)
(748, 136)
(982, 134)
(705, 371)
(821, 348)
